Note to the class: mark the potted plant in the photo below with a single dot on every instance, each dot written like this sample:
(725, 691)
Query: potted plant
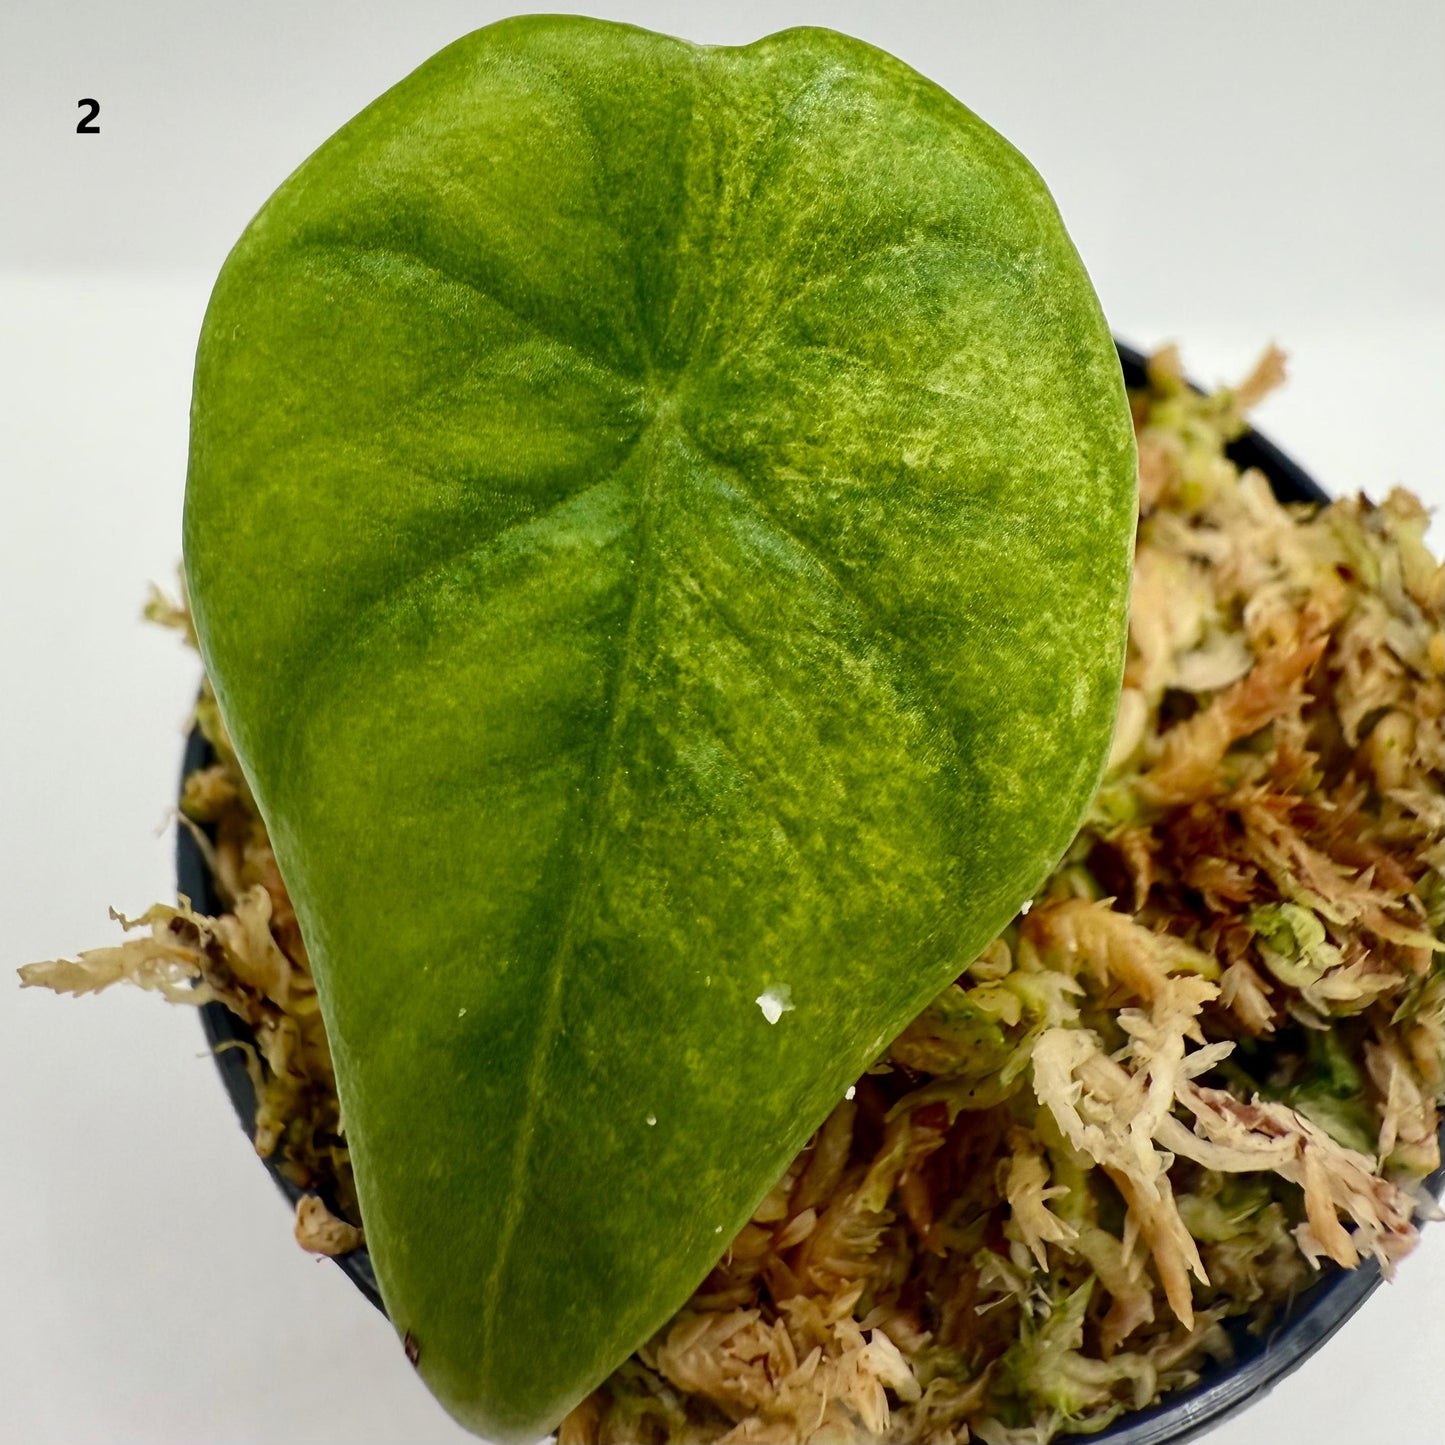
(353, 696)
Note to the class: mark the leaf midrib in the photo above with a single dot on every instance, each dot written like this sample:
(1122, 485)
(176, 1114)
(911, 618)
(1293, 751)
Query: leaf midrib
(586, 872)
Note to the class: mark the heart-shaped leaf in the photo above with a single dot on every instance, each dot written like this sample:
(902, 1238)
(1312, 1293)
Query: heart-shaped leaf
(659, 525)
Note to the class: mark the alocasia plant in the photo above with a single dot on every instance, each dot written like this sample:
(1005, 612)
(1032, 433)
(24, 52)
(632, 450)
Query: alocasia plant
(658, 523)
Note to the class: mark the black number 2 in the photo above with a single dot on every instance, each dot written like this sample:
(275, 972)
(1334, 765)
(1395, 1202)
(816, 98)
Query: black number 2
(87, 124)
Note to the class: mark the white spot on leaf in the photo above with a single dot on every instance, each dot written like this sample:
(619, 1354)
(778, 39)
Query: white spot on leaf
(850, 1091)
(775, 1001)
(651, 1120)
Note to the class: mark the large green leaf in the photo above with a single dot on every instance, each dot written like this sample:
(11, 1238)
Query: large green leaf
(659, 525)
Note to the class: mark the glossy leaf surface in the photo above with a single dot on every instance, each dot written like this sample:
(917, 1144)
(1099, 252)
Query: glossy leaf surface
(659, 523)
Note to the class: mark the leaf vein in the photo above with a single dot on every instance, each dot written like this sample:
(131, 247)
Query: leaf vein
(910, 678)
(353, 250)
(318, 682)
(586, 853)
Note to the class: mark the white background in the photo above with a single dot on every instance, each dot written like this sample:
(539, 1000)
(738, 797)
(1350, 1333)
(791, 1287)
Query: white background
(1232, 173)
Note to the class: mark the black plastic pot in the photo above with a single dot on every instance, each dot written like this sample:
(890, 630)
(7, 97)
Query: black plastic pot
(1259, 1361)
